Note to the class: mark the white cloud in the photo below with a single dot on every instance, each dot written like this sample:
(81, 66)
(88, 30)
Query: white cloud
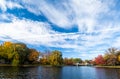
(4, 4)
(66, 14)
(54, 15)
(12, 5)
(95, 34)
(25, 30)
(40, 33)
(6, 17)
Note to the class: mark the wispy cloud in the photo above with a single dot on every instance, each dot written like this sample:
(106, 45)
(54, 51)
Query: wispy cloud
(98, 25)
(66, 14)
(40, 33)
(8, 4)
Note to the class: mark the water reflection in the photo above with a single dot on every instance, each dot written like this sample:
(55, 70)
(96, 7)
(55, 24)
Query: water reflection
(6, 72)
(17, 73)
(81, 72)
(107, 73)
(50, 72)
(66, 72)
(30, 72)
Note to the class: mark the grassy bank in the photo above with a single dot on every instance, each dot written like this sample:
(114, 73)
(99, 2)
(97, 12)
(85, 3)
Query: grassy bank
(108, 66)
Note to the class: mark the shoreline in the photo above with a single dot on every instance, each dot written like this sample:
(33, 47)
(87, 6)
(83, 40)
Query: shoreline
(114, 67)
(8, 65)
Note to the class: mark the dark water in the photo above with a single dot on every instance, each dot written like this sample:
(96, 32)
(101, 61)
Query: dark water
(66, 72)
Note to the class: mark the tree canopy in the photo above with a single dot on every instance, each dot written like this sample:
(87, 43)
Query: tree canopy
(16, 53)
(111, 57)
(19, 54)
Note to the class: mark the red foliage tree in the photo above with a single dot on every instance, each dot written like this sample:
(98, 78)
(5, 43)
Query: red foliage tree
(99, 60)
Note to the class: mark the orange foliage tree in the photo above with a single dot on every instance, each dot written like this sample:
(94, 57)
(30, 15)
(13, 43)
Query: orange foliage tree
(33, 56)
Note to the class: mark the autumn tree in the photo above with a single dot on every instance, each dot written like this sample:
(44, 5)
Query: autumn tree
(33, 56)
(16, 60)
(68, 61)
(7, 44)
(77, 60)
(111, 56)
(71, 61)
(17, 53)
(22, 50)
(45, 58)
(99, 60)
(118, 57)
(7, 51)
(56, 58)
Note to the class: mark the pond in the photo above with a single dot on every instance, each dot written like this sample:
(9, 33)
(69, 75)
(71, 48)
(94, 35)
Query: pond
(65, 72)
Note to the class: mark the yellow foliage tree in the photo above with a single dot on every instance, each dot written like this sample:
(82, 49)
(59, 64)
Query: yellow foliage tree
(33, 56)
(56, 58)
(7, 44)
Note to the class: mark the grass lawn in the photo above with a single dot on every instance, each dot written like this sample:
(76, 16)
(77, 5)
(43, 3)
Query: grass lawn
(108, 66)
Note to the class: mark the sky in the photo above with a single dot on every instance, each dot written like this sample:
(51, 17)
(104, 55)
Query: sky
(78, 28)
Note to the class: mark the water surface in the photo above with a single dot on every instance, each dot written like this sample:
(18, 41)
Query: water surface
(66, 72)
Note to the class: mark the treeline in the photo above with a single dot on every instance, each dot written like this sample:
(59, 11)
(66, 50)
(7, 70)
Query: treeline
(19, 54)
(72, 61)
(110, 58)
(55, 58)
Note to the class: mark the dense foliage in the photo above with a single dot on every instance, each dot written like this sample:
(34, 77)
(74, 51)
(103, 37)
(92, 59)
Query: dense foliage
(99, 60)
(110, 58)
(71, 61)
(53, 58)
(17, 54)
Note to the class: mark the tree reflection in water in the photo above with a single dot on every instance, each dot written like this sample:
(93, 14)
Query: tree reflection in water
(66, 72)
(108, 73)
(50, 72)
(30, 72)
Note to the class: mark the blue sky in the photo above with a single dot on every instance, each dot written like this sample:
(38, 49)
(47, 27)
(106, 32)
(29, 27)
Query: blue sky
(78, 28)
